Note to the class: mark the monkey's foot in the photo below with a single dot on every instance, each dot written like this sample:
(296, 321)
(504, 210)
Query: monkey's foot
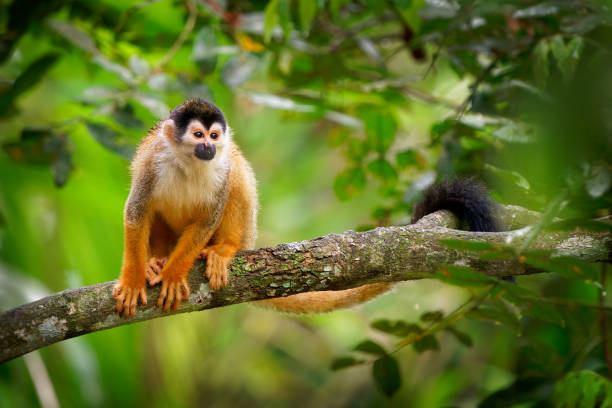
(127, 298)
(153, 269)
(216, 268)
(172, 292)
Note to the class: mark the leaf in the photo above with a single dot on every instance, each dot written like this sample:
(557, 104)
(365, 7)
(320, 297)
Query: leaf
(357, 150)
(344, 362)
(433, 316)
(307, 10)
(462, 276)
(61, 167)
(277, 102)
(370, 347)
(567, 266)
(530, 303)
(497, 313)
(270, 20)
(110, 139)
(426, 343)
(599, 181)
(387, 375)
(539, 10)
(512, 132)
(204, 50)
(510, 176)
(409, 158)
(382, 169)
(238, 69)
(380, 129)
(125, 117)
(567, 56)
(139, 66)
(75, 35)
(467, 245)
(33, 74)
(462, 337)
(540, 62)
(397, 328)
(349, 182)
(523, 392)
(583, 389)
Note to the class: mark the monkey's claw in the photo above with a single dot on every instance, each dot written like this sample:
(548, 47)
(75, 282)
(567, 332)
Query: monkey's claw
(172, 292)
(153, 270)
(127, 298)
(216, 268)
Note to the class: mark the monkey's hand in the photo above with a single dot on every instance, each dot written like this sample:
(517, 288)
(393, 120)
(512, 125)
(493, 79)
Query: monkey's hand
(218, 258)
(174, 288)
(154, 268)
(127, 297)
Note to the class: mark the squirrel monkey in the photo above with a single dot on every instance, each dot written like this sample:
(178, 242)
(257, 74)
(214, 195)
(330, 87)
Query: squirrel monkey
(192, 195)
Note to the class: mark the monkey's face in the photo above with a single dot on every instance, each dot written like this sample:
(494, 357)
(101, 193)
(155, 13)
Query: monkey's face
(198, 140)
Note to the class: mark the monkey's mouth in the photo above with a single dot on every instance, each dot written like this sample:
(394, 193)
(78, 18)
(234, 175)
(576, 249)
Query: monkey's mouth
(205, 151)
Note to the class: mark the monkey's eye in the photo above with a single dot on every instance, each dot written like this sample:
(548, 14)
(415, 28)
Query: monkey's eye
(214, 135)
(198, 134)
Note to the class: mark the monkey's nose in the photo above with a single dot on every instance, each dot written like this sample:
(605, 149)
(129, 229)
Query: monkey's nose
(205, 151)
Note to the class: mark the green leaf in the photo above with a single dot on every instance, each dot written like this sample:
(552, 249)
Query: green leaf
(344, 362)
(462, 276)
(567, 55)
(307, 10)
(432, 316)
(497, 313)
(349, 182)
(599, 181)
(397, 328)
(61, 167)
(125, 117)
(513, 132)
(382, 169)
(33, 74)
(567, 266)
(387, 375)
(357, 150)
(583, 389)
(380, 129)
(110, 139)
(426, 343)
(462, 337)
(510, 176)
(271, 19)
(530, 303)
(467, 245)
(204, 50)
(409, 158)
(541, 68)
(370, 347)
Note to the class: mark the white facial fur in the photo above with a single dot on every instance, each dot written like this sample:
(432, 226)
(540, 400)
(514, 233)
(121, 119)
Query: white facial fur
(180, 173)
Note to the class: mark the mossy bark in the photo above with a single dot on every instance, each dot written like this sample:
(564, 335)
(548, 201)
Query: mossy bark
(332, 262)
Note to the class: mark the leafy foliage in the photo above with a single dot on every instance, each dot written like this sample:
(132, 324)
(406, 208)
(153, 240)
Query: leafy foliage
(516, 93)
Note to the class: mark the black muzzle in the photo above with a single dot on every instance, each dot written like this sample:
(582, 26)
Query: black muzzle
(205, 151)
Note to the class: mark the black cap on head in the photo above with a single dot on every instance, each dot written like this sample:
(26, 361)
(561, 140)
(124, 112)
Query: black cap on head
(196, 108)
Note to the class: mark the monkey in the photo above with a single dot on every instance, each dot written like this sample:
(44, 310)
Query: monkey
(466, 198)
(193, 195)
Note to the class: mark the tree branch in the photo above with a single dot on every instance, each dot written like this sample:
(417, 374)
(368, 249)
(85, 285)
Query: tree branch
(332, 262)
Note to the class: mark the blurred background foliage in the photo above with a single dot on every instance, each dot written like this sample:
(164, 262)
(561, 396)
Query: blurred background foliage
(347, 111)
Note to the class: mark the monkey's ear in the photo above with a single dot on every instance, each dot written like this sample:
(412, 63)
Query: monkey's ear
(169, 130)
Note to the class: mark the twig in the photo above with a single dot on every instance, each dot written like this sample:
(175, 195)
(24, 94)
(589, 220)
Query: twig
(187, 29)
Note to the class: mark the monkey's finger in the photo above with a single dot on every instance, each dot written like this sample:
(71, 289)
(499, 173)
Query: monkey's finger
(185, 290)
(120, 297)
(155, 280)
(170, 297)
(116, 290)
(143, 296)
(127, 304)
(162, 294)
(204, 253)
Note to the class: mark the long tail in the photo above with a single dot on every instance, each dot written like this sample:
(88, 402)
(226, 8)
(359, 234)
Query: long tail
(466, 198)
(325, 301)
